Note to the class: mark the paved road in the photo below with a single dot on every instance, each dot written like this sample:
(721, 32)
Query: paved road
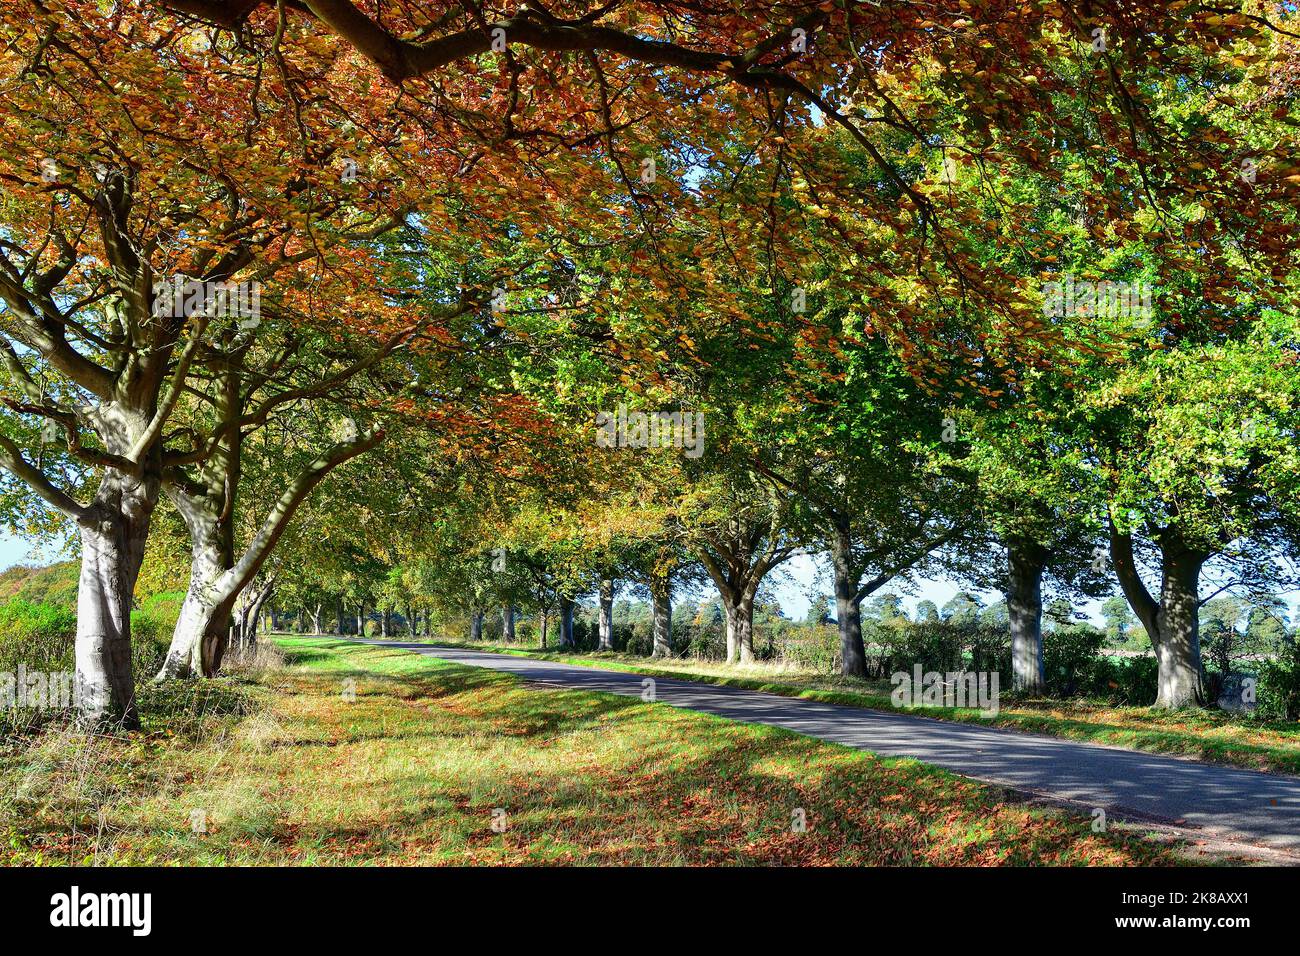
(1223, 801)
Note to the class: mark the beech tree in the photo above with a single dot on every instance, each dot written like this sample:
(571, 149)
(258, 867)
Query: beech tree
(739, 534)
(203, 139)
(118, 177)
(1193, 448)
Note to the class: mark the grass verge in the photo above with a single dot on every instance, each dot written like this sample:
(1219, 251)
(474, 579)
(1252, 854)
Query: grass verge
(1212, 736)
(356, 754)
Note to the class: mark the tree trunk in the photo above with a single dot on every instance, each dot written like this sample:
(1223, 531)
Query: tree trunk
(545, 619)
(315, 620)
(476, 627)
(1026, 562)
(738, 615)
(848, 610)
(113, 534)
(508, 623)
(361, 620)
(383, 625)
(732, 628)
(260, 614)
(745, 628)
(203, 627)
(661, 595)
(1172, 623)
(566, 622)
(1178, 621)
(606, 615)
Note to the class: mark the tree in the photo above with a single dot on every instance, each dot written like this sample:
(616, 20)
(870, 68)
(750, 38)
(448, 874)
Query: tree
(1267, 622)
(740, 537)
(127, 237)
(962, 607)
(1060, 613)
(1220, 630)
(819, 611)
(1191, 443)
(1118, 617)
(859, 479)
(887, 608)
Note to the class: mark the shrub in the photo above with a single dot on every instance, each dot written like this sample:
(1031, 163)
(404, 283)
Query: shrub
(988, 645)
(621, 637)
(526, 632)
(39, 636)
(640, 640)
(151, 630)
(1131, 681)
(51, 584)
(935, 645)
(707, 643)
(1073, 663)
(1277, 692)
(816, 648)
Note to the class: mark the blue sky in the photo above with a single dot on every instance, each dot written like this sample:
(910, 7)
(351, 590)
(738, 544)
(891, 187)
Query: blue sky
(805, 577)
(14, 550)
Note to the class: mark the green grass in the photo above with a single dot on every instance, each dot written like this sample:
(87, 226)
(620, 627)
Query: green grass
(1208, 735)
(289, 770)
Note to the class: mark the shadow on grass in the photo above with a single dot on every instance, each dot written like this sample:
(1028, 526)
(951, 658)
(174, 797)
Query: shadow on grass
(599, 778)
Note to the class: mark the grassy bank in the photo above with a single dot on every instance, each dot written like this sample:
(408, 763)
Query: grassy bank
(1208, 735)
(371, 755)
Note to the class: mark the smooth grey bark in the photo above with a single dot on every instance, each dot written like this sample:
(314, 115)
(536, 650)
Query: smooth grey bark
(1026, 562)
(203, 627)
(848, 615)
(1173, 622)
(383, 624)
(249, 608)
(476, 626)
(606, 627)
(113, 533)
(851, 590)
(508, 623)
(848, 609)
(207, 506)
(315, 619)
(566, 622)
(738, 611)
(737, 556)
(126, 402)
(661, 599)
